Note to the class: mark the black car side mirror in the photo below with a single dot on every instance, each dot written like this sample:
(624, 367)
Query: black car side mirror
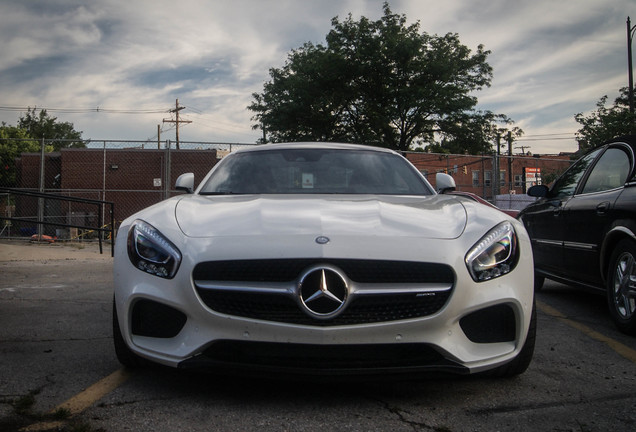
(539, 191)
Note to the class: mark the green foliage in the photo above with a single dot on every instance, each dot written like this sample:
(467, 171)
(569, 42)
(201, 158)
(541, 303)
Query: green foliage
(23, 405)
(13, 142)
(475, 133)
(41, 125)
(380, 82)
(606, 122)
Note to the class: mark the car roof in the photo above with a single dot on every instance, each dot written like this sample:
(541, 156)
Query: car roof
(627, 139)
(313, 145)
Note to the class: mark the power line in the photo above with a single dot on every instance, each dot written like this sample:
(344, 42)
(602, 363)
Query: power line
(87, 110)
(545, 139)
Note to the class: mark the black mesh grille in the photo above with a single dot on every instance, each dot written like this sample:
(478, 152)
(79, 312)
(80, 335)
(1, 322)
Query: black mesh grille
(286, 270)
(361, 310)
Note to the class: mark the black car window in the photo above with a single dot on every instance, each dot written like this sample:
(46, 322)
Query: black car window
(566, 184)
(610, 171)
(315, 171)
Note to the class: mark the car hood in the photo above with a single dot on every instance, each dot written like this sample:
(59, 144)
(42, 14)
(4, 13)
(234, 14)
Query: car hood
(434, 216)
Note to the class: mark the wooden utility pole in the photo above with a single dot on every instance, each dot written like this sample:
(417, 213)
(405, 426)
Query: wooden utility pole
(176, 110)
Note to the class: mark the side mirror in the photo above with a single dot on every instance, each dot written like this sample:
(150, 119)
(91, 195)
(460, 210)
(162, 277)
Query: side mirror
(185, 182)
(538, 191)
(444, 183)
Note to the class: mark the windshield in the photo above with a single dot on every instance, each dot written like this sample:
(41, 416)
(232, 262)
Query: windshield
(315, 171)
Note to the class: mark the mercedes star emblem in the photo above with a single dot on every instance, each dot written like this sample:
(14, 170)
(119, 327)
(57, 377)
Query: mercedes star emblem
(323, 292)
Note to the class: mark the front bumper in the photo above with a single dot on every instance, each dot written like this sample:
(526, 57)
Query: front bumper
(479, 327)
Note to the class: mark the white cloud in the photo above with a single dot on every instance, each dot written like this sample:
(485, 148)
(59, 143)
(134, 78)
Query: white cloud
(551, 59)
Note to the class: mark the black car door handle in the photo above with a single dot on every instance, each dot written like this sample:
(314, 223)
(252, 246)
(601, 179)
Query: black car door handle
(602, 208)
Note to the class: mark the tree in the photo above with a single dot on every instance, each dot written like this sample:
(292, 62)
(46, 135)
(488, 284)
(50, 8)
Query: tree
(13, 142)
(475, 134)
(378, 82)
(606, 122)
(42, 125)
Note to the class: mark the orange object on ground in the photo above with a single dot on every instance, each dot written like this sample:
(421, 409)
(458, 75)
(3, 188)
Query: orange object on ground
(44, 238)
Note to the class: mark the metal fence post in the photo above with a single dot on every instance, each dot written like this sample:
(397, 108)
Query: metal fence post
(166, 193)
(103, 194)
(41, 190)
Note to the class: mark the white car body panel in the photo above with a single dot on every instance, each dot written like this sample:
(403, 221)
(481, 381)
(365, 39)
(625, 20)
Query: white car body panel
(435, 229)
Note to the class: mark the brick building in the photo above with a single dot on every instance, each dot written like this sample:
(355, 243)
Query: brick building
(476, 173)
(137, 178)
(131, 178)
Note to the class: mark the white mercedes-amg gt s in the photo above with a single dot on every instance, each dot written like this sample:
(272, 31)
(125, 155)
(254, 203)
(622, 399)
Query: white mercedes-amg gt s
(323, 259)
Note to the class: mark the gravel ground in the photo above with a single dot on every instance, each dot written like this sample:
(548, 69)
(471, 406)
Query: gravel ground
(28, 251)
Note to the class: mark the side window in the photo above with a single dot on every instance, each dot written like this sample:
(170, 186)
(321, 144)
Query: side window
(610, 171)
(566, 184)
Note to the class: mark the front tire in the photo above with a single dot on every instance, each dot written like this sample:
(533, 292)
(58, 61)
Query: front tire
(538, 282)
(621, 286)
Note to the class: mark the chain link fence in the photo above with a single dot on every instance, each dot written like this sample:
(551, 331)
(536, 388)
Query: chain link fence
(130, 174)
(136, 174)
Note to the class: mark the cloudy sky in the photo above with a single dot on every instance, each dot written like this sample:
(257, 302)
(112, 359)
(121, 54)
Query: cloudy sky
(115, 67)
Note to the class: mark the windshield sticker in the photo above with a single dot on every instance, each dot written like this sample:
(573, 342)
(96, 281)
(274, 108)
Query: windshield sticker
(308, 181)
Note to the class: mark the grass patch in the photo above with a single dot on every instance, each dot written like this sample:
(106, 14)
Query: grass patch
(81, 427)
(62, 414)
(23, 405)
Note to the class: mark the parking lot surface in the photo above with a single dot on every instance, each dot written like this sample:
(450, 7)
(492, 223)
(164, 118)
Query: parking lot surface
(59, 371)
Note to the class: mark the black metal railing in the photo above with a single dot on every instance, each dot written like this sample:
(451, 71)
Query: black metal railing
(35, 214)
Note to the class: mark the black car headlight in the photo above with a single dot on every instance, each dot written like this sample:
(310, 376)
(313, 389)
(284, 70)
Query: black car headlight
(496, 254)
(151, 252)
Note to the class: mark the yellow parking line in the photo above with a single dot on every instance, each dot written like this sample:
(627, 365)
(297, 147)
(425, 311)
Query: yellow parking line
(44, 426)
(623, 350)
(83, 400)
(92, 394)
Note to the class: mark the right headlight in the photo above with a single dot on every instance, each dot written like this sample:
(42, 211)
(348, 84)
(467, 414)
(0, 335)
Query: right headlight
(151, 252)
(496, 254)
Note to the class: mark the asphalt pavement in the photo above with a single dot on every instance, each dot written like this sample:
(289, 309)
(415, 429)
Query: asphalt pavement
(58, 371)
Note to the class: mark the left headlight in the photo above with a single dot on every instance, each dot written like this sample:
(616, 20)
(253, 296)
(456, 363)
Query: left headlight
(151, 252)
(496, 254)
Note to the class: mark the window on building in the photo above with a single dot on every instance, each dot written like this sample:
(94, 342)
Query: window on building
(518, 180)
(502, 178)
(475, 178)
(488, 178)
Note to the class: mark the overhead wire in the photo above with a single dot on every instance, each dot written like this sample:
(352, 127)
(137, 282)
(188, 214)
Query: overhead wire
(88, 110)
(218, 125)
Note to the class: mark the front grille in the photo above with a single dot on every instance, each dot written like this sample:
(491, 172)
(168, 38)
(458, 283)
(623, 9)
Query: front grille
(382, 306)
(286, 270)
(362, 310)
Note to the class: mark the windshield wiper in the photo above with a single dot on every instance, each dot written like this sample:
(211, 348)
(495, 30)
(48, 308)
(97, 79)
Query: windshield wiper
(218, 193)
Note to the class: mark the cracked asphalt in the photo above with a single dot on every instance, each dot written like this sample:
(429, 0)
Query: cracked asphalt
(58, 371)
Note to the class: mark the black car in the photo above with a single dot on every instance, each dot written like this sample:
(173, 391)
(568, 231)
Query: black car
(583, 228)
